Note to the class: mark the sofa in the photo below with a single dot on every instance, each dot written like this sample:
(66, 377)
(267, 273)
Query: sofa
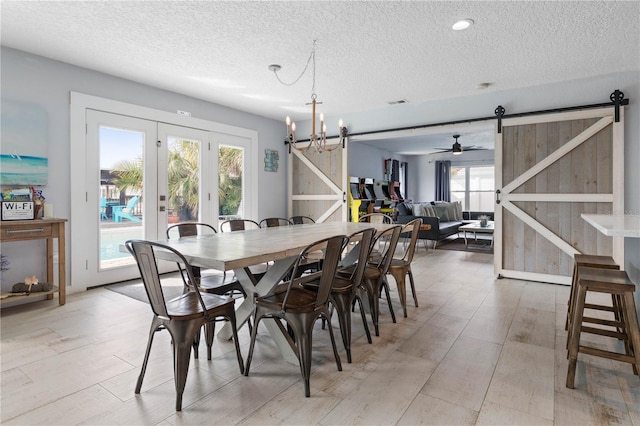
(444, 217)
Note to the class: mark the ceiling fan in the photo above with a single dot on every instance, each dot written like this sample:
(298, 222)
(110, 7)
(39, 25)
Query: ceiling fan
(458, 149)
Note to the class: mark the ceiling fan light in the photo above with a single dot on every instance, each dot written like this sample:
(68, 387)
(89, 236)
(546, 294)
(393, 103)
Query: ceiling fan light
(456, 149)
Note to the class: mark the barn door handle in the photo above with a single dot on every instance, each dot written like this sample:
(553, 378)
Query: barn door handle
(497, 196)
(344, 197)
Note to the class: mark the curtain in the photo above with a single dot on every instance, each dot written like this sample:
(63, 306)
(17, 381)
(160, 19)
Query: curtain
(443, 180)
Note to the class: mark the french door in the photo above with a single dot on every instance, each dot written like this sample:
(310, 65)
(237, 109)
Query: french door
(140, 177)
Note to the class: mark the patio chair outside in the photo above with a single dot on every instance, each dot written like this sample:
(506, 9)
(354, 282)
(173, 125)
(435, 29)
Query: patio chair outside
(126, 212)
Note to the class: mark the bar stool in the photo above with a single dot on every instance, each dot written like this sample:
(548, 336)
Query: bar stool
(589, 261)
(615, 283)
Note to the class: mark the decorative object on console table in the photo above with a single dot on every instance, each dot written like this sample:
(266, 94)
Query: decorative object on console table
(31, 285)
(484, 220)
(18, 210)
(44, 229)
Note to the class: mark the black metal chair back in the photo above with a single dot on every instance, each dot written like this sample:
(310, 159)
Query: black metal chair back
(238, 225)
(274, 221)
(299, 220)
(189, 229)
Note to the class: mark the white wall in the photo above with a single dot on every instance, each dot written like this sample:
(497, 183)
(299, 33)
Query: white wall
(368, 162)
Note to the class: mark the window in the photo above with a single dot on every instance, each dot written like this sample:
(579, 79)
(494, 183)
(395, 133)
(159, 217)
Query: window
(473, 186)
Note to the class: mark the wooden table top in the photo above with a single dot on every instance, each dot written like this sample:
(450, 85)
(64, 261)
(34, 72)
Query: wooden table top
(233, 250)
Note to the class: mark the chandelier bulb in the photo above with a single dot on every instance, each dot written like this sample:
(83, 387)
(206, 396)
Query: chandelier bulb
(288, 121)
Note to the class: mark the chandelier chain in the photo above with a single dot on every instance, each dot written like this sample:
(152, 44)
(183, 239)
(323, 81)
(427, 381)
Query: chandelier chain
(312, 56)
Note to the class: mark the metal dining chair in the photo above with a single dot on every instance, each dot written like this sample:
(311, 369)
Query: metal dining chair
(299, 220)
(344, 291)
(300, 307)
(238, 225)
(232, 225)
(274, 221)
(375, 218)
(400, 266)
(373, 280)
(182, 316)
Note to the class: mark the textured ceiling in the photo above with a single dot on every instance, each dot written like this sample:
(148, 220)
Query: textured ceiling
(368, 53)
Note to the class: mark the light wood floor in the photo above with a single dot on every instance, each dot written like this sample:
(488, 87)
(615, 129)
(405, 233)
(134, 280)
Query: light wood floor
(477, 351)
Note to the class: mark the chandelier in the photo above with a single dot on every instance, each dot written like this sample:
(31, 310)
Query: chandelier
(317, 140)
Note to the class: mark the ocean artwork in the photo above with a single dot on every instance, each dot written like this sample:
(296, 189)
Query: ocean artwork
(23, 152)
(12, 170)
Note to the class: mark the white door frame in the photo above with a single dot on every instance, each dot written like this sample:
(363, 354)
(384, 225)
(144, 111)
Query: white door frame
(79, 189)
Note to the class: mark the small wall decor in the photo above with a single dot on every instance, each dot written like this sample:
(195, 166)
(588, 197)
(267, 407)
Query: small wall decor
(271, 158)
(23, 156)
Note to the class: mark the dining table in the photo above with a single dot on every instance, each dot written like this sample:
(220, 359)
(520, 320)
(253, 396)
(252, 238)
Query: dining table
(279, 246)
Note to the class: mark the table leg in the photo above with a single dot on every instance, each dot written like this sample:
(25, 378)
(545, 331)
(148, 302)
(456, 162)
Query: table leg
(273, 276)
(465, 238)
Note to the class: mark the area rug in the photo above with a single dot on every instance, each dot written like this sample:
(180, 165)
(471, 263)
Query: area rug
(482, 245)
(135, 289)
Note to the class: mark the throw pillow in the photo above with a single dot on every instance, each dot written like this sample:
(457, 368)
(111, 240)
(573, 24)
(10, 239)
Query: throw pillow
(427, 211)
(458, 210)
(451, 211)
(417, 209)
(441, 212)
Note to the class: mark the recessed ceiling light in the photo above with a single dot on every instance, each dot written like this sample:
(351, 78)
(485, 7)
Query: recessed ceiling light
(462, 24)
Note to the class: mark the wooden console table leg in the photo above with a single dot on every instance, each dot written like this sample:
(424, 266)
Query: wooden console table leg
(50, 264)
(62, 271)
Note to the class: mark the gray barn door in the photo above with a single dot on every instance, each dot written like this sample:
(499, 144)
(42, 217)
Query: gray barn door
(549, 170)
(318, 184)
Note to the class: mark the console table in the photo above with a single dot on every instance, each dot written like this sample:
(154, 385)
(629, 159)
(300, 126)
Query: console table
(39, 229)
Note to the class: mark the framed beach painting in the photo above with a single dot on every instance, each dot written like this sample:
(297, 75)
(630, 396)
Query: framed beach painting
(23, 152)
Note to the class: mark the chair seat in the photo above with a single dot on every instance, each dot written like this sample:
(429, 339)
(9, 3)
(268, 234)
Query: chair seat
(372, 272)
(218, 284)
(341, 284)
(187, 306)
(300, 300)
(399, 263)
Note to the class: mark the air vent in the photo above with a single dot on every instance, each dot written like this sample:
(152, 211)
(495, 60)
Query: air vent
(399, 101)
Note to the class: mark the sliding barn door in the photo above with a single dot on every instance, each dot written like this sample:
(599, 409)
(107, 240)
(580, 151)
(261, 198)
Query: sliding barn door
(318, 184)
(549, 170)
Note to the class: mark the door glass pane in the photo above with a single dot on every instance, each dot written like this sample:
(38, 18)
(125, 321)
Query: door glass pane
(230, 182)
(481, 179)
(183, 178)
(121, 188)
(458, 186)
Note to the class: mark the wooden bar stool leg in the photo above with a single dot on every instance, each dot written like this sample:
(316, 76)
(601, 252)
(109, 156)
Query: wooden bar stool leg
(632, 330)
(572, 295)
(574, 342)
